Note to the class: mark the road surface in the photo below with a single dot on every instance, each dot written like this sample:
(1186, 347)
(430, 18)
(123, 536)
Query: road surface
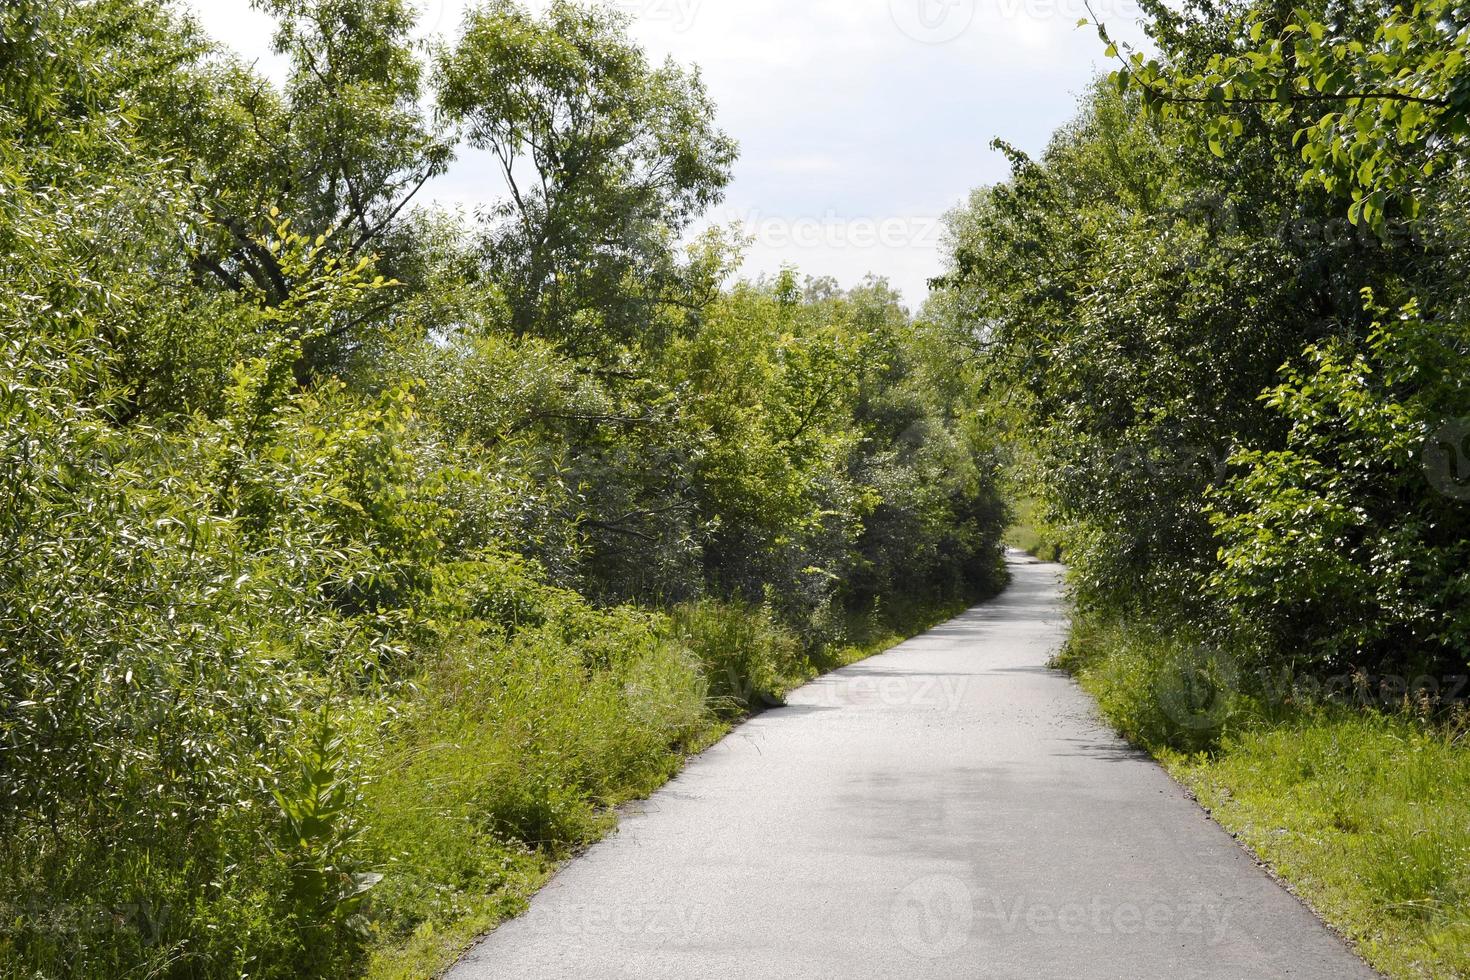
(949, 809)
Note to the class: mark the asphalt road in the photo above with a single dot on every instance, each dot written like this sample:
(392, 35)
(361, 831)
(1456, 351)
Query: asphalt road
(952, 808)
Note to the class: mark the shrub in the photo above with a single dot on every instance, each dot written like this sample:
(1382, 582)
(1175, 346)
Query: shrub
(1156, 688)
(1350, 545)
(747, 658)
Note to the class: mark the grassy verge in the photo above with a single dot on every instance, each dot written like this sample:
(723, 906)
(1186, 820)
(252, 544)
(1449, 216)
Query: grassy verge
(1364, 812)
(1030, 534)
(513, 753)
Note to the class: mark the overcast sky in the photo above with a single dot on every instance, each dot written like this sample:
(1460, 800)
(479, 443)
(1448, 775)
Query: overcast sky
(860, 122)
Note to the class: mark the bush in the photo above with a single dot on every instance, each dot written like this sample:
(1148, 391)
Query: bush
(334, 609)
(1156, 688)
(513, 753)
(747, 657)
(1350, 545)
(1361, 809)
(518, 745)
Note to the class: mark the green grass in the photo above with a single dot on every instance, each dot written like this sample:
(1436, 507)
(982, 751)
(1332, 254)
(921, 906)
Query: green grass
(1364, 813)
(513, 753)
(1030, 534)
(1367, 816)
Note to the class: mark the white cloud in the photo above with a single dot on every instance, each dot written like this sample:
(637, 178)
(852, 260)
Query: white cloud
(848, 112)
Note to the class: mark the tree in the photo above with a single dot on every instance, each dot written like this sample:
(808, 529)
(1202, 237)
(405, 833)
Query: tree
(607, 161)
(1378, 98)
(1349, 546)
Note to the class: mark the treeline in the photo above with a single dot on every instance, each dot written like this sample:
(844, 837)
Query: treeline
(1227, 309)
(1223, 318)
(356, 557)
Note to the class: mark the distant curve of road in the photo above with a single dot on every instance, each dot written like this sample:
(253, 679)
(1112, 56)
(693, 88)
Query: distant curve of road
(949, 809)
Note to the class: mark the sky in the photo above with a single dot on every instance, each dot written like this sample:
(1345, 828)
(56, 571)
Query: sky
(860, 122)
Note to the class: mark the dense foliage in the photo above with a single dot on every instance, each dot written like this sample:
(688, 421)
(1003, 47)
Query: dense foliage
(356, 558)
(1225, 311)
(1229, 299)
